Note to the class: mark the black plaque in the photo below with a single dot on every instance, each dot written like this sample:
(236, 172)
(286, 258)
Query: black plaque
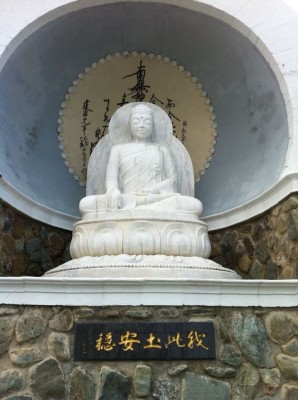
(144, 341)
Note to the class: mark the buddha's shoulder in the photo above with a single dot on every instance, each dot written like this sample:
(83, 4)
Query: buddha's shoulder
(123, 147)
(117, 147)
(131, 145)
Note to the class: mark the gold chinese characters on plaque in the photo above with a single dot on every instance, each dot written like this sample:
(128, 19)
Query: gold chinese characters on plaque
(144, 341)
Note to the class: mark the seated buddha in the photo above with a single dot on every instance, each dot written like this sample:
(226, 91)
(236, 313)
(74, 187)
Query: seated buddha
(140, 218)
(141, 173)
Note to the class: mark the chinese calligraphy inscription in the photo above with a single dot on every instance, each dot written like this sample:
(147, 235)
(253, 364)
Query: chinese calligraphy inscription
(144, 341)
(122, 79)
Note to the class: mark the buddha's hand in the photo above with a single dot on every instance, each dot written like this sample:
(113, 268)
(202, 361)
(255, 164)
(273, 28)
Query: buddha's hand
(166, 186)
(114, 198)
(152, 190)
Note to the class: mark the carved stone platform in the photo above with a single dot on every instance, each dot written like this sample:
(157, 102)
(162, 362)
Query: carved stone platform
(141, 232)
(142, 267)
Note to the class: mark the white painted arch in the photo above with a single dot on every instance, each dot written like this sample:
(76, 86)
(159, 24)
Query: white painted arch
(270, 25)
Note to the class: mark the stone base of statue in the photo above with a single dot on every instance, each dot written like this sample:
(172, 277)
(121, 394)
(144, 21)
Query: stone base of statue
(134, 244)
(141, 245)
(140, 218)
(157, 267)
(140, 232)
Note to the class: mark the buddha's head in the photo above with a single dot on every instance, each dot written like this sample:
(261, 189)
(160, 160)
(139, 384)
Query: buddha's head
(141, 123)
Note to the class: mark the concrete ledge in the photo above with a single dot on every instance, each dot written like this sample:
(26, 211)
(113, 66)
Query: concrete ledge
(284, 187)
(109, 292)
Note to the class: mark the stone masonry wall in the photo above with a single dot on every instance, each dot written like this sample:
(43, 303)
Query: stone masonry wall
(29, 247)
(256, 356)
(264, 248)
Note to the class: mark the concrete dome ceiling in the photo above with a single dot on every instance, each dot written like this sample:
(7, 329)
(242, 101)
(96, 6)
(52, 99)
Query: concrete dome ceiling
(250, 110)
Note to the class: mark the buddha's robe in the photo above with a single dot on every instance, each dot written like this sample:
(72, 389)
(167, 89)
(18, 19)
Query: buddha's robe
(144, 173)
(141, 168)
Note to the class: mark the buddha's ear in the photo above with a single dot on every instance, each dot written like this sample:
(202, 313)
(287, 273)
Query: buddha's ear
(163, 128)
(119, 130)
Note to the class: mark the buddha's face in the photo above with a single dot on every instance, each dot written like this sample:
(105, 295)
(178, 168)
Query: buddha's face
(141, 126)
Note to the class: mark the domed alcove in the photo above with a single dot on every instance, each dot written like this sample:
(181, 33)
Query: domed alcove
(251, 115)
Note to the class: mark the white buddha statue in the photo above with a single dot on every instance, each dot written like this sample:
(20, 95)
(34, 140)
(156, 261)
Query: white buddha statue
(140, 174)
(140, 217)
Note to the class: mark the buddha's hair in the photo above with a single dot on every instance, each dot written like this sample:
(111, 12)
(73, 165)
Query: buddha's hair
(141, 108)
